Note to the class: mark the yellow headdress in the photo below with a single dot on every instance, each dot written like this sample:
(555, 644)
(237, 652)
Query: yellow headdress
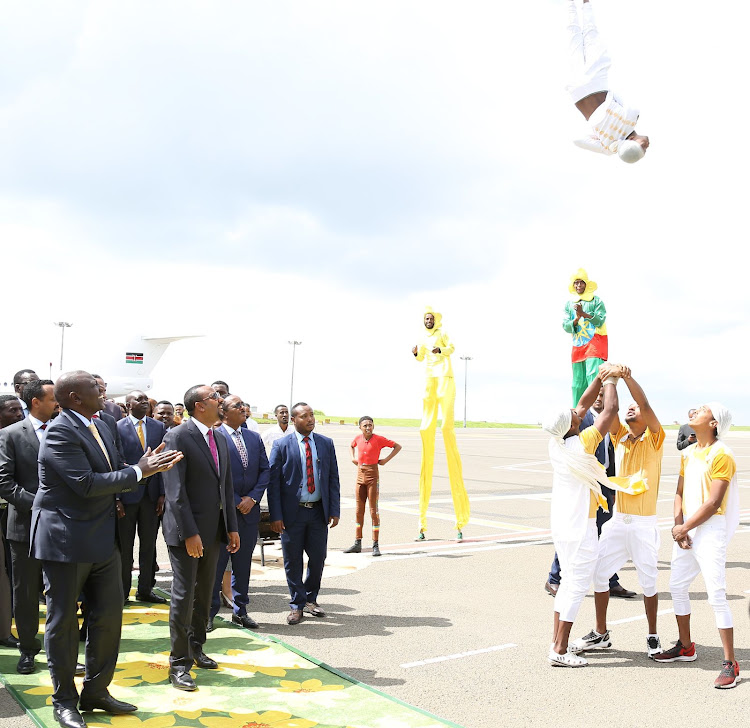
(581, 275)
(438, 318)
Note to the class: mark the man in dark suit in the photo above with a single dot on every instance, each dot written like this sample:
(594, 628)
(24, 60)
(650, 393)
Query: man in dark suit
(303, 499)
(250, 474)
(73, 534)
(19, 482)
(199, 516)
(20, 379)
(110, 408)
(142, 508)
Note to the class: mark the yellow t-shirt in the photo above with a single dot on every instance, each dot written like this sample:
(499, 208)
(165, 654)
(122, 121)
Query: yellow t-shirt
(699, 468)
(590, 439)
(642, 458)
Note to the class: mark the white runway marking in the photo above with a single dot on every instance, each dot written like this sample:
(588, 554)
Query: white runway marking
(458, 656)
(660, 613)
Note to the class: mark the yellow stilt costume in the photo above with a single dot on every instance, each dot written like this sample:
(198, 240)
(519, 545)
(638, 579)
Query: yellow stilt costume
(435, 349)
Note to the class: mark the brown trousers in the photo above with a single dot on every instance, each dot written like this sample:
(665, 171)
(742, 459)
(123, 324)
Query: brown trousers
(368, 487)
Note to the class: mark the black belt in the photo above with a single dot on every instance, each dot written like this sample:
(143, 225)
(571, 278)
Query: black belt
(309, 504)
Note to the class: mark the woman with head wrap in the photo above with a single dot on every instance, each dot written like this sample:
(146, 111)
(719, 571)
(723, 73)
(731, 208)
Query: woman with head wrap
(706, 515)
(435, 349)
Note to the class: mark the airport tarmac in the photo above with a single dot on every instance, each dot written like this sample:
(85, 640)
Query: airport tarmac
(463, 629)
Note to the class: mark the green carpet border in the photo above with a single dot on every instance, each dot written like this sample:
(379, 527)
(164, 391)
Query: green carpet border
(265, 638)
(17, 697)
(339, 673)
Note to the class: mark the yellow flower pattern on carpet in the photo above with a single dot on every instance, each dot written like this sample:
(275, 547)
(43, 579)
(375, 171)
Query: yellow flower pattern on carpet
(269, 719)
(309, 686)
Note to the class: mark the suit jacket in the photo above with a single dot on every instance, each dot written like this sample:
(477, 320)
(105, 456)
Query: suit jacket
(73, 516)
(19, 476)
(253, 480)
(113, 410)
(111, 422)
(132, 453)
(587, 421)
(286, 478)
(196, 494)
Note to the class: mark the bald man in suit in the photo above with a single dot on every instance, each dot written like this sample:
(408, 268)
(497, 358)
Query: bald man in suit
(73, 534)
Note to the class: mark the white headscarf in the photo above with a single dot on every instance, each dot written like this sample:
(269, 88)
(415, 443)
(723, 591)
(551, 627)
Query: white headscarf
(722, 416)
(583, 466)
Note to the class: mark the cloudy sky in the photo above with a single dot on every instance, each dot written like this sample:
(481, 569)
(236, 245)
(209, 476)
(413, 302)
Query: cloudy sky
(258, 172)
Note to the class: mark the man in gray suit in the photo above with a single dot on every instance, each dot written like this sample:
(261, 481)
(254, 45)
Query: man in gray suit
(19, 482)
(73, 534)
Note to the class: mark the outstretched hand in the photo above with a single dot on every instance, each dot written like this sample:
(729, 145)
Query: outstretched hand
(156, 461)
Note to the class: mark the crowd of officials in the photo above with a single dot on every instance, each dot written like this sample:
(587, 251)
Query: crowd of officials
(81, 476)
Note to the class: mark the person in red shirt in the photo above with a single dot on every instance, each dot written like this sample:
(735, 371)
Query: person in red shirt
(366, 456)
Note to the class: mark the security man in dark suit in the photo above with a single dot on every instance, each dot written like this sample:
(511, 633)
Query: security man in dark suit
(142, 508)
(73, 533)
(19, 482)
(250, 474)
(303, 499)
(199, 516)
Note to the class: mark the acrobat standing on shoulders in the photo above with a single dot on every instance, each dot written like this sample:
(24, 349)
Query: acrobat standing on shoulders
(585, 319)
(611, 121)
(435, 349)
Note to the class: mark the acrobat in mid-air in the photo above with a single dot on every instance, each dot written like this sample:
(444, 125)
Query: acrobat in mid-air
(611, 121)
(435, 349)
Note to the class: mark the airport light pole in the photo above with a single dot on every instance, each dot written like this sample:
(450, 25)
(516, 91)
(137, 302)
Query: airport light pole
(63, 325)
(294, 344)
(465, 360)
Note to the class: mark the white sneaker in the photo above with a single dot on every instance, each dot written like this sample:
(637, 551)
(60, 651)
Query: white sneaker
(653, 646)
(592, 641)
(567, 660)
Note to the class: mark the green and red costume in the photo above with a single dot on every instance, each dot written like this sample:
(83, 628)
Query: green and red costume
(590, 347)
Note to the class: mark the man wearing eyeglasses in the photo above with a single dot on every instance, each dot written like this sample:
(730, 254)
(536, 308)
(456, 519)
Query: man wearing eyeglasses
(199, 518)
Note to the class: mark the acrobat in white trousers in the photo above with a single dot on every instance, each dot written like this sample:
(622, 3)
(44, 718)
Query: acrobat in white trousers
(577, 563)
(708, 556)
(589, 58)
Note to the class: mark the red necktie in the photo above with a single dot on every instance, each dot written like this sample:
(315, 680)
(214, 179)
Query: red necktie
(212, 448)
(44, 426)
(309, 466)
(95, 417)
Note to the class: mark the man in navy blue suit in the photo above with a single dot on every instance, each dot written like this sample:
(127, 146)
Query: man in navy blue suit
(250, 475)
(141, 508)
(303, 499)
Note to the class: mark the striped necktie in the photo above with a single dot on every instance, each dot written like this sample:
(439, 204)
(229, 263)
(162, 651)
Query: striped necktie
(141, 436)
(98, 438)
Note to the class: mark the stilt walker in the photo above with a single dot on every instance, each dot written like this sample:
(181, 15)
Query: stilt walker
(435, 349)
(585, 319)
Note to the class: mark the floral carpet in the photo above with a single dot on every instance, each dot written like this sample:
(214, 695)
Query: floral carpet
(260, 683)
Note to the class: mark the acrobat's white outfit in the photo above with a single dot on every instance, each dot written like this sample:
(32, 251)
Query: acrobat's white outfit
(632, 534)
(708, 556)
(589, 62)
(573, 526)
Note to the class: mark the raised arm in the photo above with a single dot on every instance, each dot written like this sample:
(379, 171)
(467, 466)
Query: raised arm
(589, 396)
(652, 421)
(610, 407)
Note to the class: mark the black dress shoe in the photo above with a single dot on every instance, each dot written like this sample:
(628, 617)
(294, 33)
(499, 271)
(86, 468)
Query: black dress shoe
(9, 641)
(151, 598)
(210, 625)
(244, 621)
(181, 680)
(106, 703)
(202, 660)
(25, 664)
(80, 669)
(69, 718)
(621, 592)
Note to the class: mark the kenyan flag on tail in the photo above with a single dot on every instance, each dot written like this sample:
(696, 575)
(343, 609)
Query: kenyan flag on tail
(133, 358)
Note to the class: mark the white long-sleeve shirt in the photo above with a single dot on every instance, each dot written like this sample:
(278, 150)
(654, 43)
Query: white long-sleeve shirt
(609, 125)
